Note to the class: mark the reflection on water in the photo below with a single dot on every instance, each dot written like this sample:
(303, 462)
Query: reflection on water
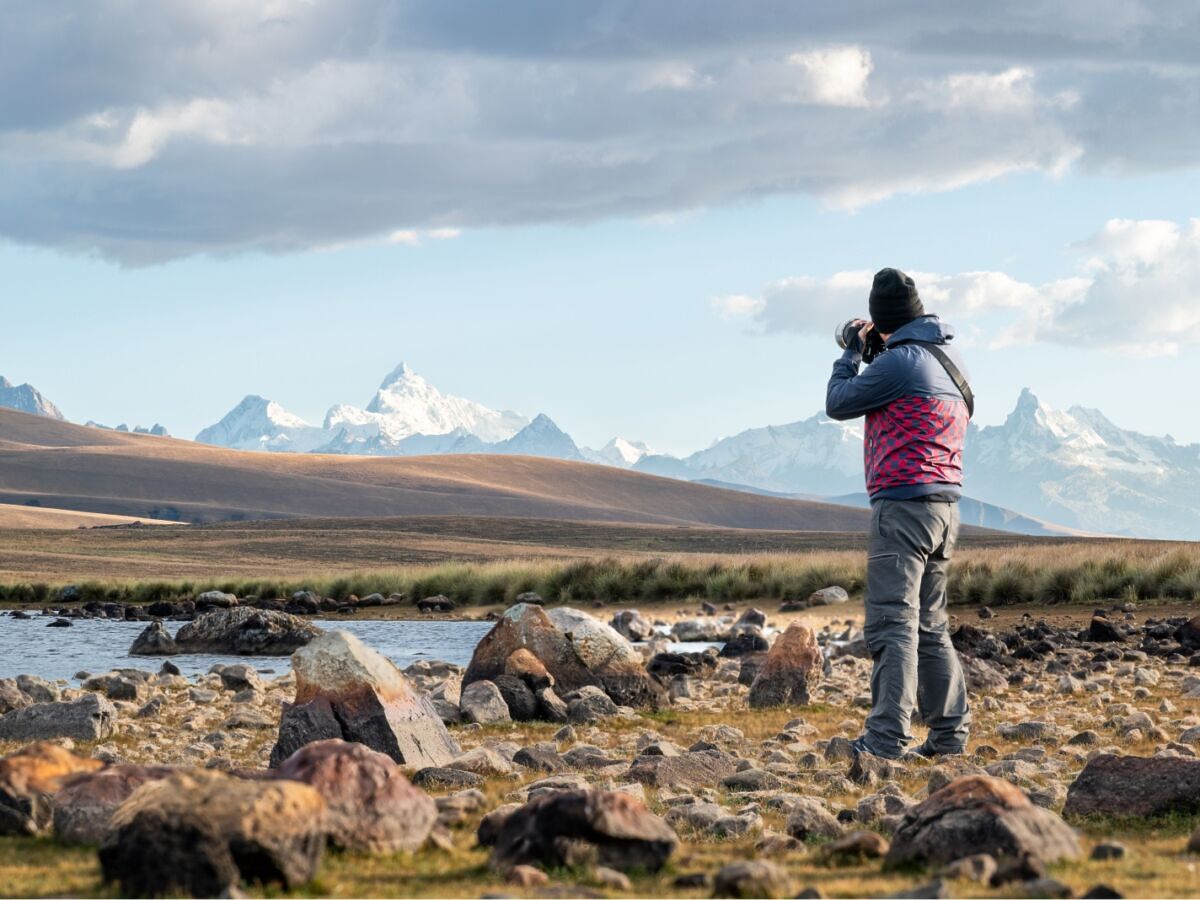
(28, 647)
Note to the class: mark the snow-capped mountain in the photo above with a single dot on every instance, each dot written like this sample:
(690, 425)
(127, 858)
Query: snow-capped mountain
(406, 405)
(619, 452)
(27, 399)
(541, 437)
(1077, 468)
(157, 430)
(261, 424)
(816, 456)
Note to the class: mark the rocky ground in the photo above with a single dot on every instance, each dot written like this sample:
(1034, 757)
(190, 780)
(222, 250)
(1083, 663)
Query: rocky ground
(572, 764)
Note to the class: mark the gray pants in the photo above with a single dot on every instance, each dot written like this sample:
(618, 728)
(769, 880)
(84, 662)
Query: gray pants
(916, 667)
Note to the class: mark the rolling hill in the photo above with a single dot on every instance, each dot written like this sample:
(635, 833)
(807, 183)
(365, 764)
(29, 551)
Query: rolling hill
(55, 464)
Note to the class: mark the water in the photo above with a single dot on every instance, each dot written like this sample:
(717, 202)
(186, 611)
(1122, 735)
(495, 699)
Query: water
(28, 647)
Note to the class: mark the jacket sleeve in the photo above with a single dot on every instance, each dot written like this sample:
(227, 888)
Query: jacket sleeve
(851, 394)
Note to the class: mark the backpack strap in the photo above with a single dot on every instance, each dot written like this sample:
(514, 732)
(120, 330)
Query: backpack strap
(952, 370)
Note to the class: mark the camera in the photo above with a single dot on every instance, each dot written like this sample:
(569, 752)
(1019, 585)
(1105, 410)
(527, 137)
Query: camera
(846, 336)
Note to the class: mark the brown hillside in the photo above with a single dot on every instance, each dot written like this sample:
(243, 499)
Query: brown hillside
(64, 466)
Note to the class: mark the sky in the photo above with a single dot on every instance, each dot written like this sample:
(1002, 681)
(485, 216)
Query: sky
(640, 219)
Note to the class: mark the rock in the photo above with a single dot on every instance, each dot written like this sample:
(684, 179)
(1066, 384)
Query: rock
(436, 604)
(84, 807)
(522, 703)
(215, 600)
(752, 878)
(489, 826)
(978, 867)
(530, 597)
(584, 827)
(89, 718)
(154, 640)
(369, 803)
(550, 707)
(28, 780)
(60, 623)
(12, 697)
(539, 759)
(687, 772)
(201, 833)
(1101, 630)
(590, 704)
(828, 596)
(793, 666)
(483, 703)
(1134, 786)
(707, 628)
(346, 690)
(982, 677)
(245, 631)
(1101, 892)
(439, 777)
(980, 814)
(114, 686)
(630, 625)
(524, 665)
(808, 819)
(239, 677)
(1107, 850)
(857, 845)
(744, 643)
(483, 761)
(524, 876)
(575, 649)
(1188, 634)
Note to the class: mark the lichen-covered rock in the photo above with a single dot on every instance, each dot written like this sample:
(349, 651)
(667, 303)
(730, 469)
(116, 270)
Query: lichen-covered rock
(89, 718)
(576, 828)
(370, 804)
(792, 668)
(245, 631)
(28, 780)
(980, 814)
(1135, 786)
(575, 649)
(344, 689)
(84, 807)
(201, 833)
(688, 771)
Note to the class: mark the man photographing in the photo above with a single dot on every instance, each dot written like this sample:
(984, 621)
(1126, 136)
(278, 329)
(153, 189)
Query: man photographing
(917, 403)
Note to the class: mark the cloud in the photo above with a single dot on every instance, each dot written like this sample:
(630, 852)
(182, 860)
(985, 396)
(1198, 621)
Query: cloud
(146, 132)
(1135, 294)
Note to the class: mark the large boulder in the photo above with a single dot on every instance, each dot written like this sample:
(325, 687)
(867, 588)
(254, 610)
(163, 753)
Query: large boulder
(346, 690)
(12, 697)
(84, 807)
(792, 668)
(575, 649)
(28, 780)
(89, 718)
(575, 828)
(483, 704)
(630, 625)
(154, 640)
(370, 804)
(245, 631)
(1188, 634)
(980, 814)
(201, 833)
(1135, 786)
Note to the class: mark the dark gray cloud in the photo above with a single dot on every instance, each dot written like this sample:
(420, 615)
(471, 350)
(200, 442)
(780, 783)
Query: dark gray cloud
(151, 131)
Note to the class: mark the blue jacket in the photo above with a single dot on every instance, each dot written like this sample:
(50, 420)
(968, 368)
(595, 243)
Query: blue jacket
(916, 416)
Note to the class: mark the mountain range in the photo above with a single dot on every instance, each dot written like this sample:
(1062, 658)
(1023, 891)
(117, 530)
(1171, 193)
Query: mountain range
(1043, 471)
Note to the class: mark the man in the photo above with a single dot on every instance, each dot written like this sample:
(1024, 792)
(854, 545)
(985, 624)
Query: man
(916, 402)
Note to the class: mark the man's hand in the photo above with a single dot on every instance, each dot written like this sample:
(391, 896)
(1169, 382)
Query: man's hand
(866, 329)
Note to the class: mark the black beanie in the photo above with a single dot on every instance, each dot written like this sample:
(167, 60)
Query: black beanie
(894, 301)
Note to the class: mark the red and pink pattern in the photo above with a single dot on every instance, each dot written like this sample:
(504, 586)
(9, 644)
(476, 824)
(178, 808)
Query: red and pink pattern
(915, 440)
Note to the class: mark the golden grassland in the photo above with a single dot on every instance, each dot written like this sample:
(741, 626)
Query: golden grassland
(479, 561)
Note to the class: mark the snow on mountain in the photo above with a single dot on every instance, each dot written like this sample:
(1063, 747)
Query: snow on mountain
(814, 456)
(619, 452)
(406, 405)
(1077, 468)
(156, 429)
(27, 399)
(541, 437)
(261, 424)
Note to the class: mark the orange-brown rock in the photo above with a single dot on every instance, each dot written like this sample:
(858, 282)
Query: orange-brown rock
(980, 814)
(792, 668)
(202, 833)
(84, 807)
(28, 780)
(370, 804)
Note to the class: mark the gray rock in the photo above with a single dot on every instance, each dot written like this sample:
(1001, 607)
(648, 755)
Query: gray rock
(689, 771)
(239, 677)
(590, 704)
(215, 600)
(808, 819)
(245, 631)
(1134, 786)
(828, 596)
(753, 878)
(90, 718)
(483, 703)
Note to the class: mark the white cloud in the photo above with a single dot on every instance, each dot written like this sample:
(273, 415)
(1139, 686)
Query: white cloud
(732, 306)
(1137, 294)
(273, 125)
(405, 236)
